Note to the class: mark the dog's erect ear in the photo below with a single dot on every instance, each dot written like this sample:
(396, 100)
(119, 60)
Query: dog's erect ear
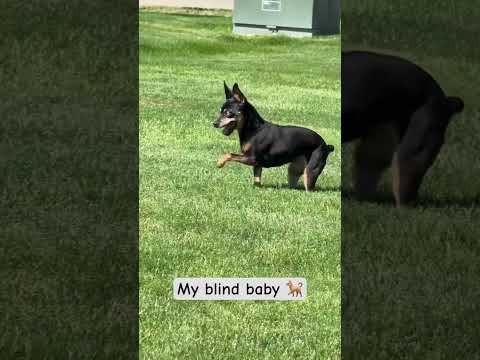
(237, 94)
(228, 92)
(455, 104)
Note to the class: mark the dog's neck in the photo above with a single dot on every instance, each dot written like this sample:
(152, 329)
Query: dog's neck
(251, 124)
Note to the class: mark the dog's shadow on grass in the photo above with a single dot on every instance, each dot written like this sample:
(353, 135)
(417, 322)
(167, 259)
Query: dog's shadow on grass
(380, 198)
(300, 188)
(423, 201)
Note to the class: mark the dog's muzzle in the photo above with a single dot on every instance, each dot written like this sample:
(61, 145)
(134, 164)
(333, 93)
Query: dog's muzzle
(228, 124)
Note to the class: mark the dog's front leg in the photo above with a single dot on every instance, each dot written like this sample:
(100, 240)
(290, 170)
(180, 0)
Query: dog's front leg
(223, 160)
(257, 175)
(242, 158)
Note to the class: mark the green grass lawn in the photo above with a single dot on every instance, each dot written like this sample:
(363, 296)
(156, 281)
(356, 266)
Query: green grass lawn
(200, 221)
(410, 276)
(69, 189)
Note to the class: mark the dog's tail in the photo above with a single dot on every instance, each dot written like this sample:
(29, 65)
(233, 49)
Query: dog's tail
(329, 148)
(300, 284)
(454, 104)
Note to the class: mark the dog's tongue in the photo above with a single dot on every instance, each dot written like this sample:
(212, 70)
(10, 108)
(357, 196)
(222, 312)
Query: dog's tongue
(228, 122)
(228, 126)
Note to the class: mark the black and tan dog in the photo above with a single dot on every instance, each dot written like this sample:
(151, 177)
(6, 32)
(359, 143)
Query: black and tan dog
(265, 145)
(399, 115)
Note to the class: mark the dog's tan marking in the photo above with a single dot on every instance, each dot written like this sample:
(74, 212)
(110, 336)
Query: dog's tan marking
(305, 179)
(227, 157)
(224, 121)
(406, 178)
(247, 147)
(295, 290)
(257, 175)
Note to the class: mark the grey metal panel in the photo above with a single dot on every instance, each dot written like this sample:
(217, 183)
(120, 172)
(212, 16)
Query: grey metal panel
(289, 17)
(291, 14)
(326, 16)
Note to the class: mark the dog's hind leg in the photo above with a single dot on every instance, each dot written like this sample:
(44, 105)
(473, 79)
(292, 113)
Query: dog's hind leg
(315, 166)
(295, 170)
(257, 175)
(416, 152)
(373, 154)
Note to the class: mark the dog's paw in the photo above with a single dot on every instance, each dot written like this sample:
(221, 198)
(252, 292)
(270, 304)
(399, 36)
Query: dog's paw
(221, 163)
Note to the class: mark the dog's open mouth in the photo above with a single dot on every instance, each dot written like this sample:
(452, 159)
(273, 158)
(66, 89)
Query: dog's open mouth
(228, 125)
(228, 128)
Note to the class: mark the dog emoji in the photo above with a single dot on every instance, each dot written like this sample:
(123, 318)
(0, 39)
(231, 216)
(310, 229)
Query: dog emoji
(295, 289)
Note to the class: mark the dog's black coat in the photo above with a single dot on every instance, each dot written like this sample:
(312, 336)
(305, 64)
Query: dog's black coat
(382, 91)
(276, 145)
(264, 144)
(379, 88)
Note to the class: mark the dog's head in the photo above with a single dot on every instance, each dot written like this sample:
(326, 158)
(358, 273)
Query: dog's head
(231, 115)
